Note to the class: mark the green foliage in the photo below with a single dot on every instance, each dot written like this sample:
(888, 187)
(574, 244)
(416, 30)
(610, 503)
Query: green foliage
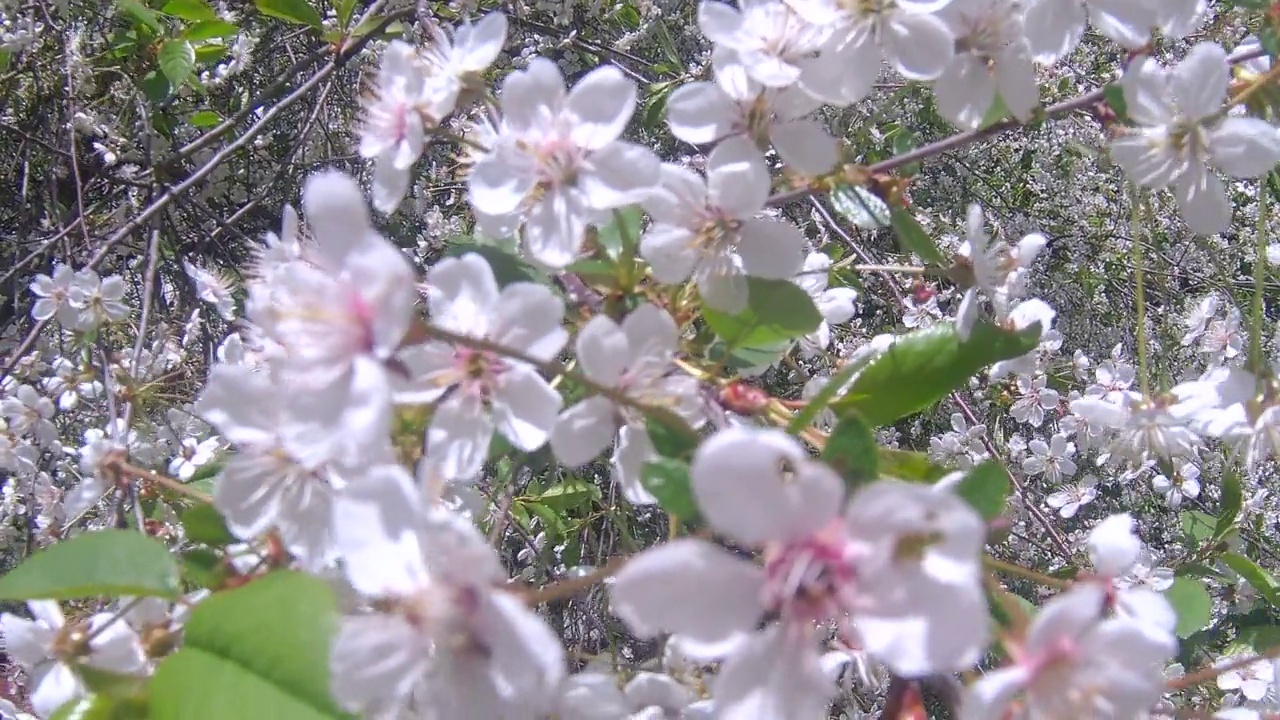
(104, 707)
(921, 367)
(670, 434)
(619, 238)
(668, 481)
(95, 564)
(914, 239)
(861, 207)
(177, 60)
(507, 267)
(777, 311)
(261, 650)
(204, 524)
(851, 451)
(986, 488)
(1261, 580)
(299, 12)
(1193, 604)
(908, 465)
(193, 10)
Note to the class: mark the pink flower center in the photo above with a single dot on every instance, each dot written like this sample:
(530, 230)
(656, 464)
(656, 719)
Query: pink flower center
(811, 580)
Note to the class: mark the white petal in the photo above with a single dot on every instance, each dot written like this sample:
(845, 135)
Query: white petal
(846, 74)
(633, 450)
(1053, 27)
(774, 675)
(737, 178)
(670, 252)
(528, 96)
(57, 687)
(376, 660)
(494, 188)
(528, 319)
(965, 92)
(805, 145)
(238, 401)
(836, 304)
(1202, 198)
(700, 113)
(759, 485)
(336, 213)
(602, 103)
(525, 407)
(555, 228)
(1245, 147)
(1113, 546)
(526, 656)
(583, 431)
(990, 696)
(919, 46)
(376, 521)
(464, 294)
(651, 334)
(459, 436)
(1199, 82)
(772, 249)
(618, 175)
(604, 352)
(690, 587)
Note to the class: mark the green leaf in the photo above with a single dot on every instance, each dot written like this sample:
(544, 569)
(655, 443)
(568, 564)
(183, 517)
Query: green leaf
(177, 60)
(1232, 502)
(623, 233)
(914, 239)
(1192, 603)
(1114, 96)
(921, 367)
(1197, 526)
(1260, 638)
(507, 268)
(203, 567)
(103, 707)
(204, 524)
(909, 465)
(749, 357)
(155, 86)
(998, 111)
(294, 11)
(204, 119)
(986, 488)
(141, 15)
(861, 207)
(95, 564)
(851, 450)
(777, 310)
(668, 481)
(206, 54)
(259, 651)
(670, 434)
(568, 494)
(344, 10)
(1255, 575)
(209, 30)
(193, 10)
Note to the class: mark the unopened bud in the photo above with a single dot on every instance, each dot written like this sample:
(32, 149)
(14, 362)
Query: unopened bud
(743, 399)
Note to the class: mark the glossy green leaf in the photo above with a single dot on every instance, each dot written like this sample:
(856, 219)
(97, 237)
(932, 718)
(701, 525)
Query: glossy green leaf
(861, 207)
(777, 310)
(913, 238)
(570, 493)
(909, 465)
(1257, 577)
(209, 30)
(193, 10)
(344, 9)
(1193, 604)
(95, 564)
(155, 86)
(1232, 503)
(986, 488)
(1114, 96)
(259, 651)
(668, 481)
(142, 16)
(623, 233)
(747, 358)
(507, 267)
(998, 111)
(851, 450)
(177, 60)
(922, 366)
(103, 707)
(294, 11)
(204, 524)
(1197, 526)
(670, 434)
(204, 119)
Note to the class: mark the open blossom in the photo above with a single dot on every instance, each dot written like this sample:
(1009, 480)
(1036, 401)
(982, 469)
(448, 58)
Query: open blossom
(479, 390)
(1181, 136)
(773, 43)
(55, 296)
(1054, 27)
(440, 634)
(634, 358)
(414, 91)
(556, 160)
(998, 271)
(213, 289)
(1076, 663)
(834, 304)
(991, 57)
(710, 229)
(47, 647)
(736, 104)
(899, 572)
(100, 300)
(907, 33)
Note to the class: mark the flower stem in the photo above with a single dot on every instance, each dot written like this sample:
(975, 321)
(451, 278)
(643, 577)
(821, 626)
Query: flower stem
(1257, 362)
(1140, 294)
